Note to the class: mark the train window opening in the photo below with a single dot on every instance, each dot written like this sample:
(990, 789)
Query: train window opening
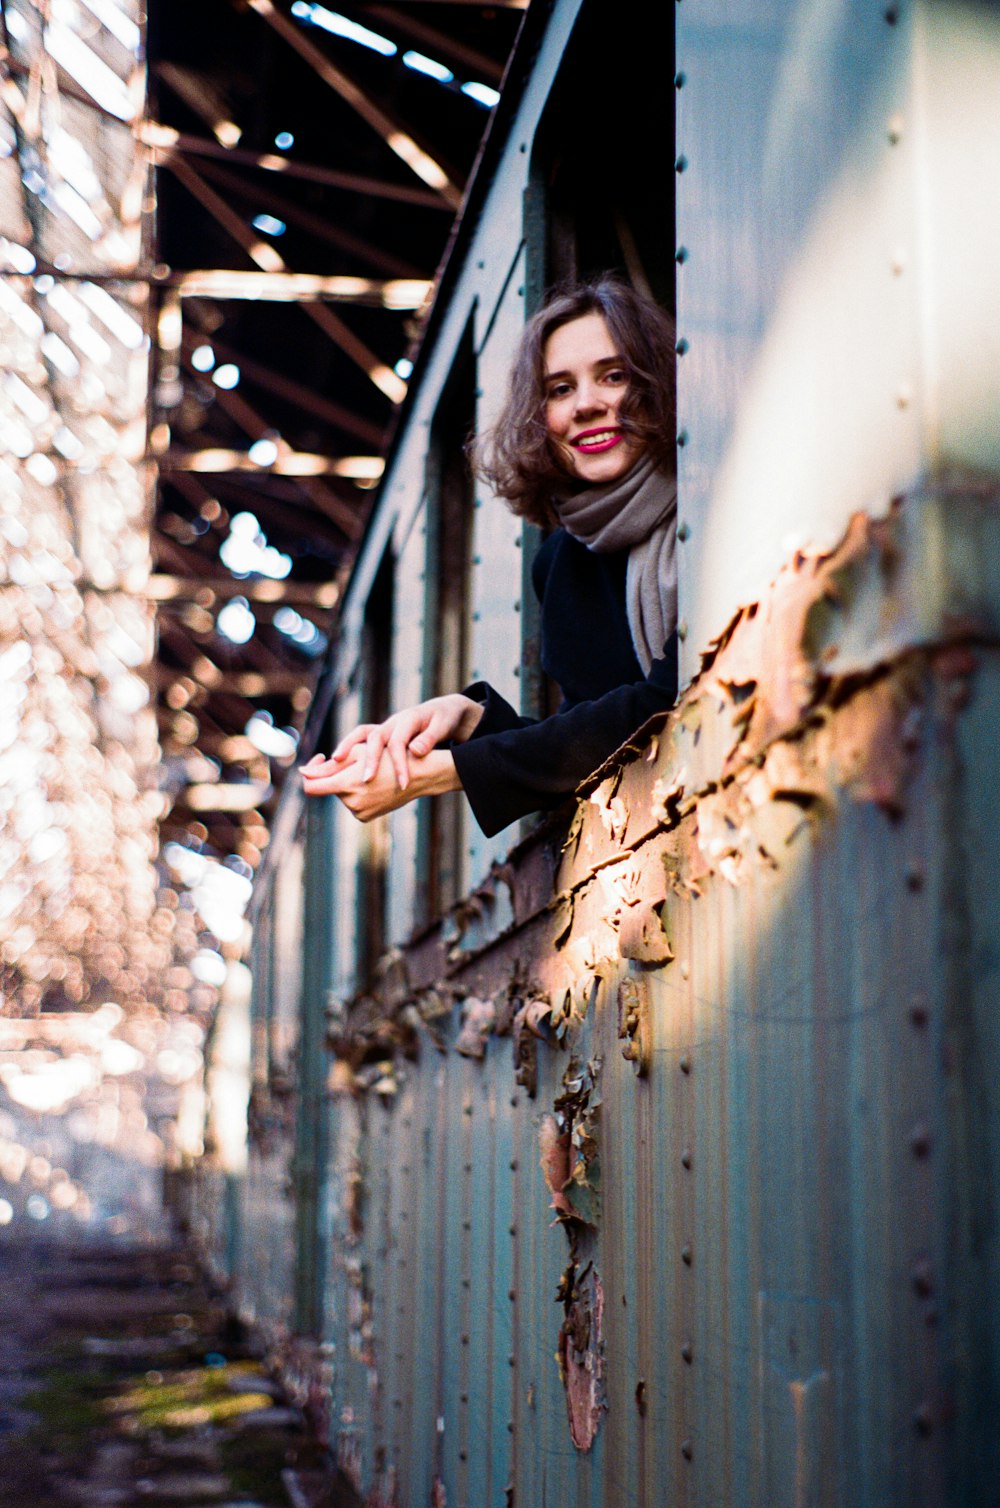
(449, 507)
(373, 854)
(600, 196)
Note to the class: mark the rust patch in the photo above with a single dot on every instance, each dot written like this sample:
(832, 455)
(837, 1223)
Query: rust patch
(873, 743)
(554, 1146)
(635, 1028)
(765, 663)
(581, 1352)
(635, 893)
(478, 1019)
(530, 1027)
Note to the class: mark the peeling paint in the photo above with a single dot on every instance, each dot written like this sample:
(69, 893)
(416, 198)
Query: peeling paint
(478, 1020)
(581, 1352)
(714, 835)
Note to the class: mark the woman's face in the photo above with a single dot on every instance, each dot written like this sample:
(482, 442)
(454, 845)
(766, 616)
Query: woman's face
(585, 379)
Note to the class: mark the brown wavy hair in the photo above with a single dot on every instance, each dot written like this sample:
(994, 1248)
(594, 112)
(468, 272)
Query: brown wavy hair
(515, 456)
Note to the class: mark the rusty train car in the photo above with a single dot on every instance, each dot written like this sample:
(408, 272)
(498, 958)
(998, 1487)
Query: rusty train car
(649, 1154)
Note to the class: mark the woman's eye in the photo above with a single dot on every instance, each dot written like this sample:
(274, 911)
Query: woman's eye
(559, 391)
(616, 375)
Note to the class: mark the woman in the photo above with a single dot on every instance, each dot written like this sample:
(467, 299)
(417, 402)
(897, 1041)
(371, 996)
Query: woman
(585, 444)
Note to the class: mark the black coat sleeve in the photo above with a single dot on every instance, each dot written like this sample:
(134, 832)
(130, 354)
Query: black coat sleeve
(512, 765)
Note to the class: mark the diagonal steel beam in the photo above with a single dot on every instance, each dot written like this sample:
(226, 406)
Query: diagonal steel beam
(317, 225)
(165, 142)
(395, 138)
(297, 393)
(488, 69)
(265, 256)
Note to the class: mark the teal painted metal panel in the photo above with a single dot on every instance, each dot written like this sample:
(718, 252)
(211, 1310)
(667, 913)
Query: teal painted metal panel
(799, 284)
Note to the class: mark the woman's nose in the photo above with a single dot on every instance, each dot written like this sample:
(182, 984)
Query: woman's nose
(589, 399)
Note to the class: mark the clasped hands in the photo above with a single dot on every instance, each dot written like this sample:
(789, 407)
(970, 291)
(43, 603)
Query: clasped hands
(381, 766)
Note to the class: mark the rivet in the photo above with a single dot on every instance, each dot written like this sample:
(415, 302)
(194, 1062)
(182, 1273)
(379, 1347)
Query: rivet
(481, 265)
(681, 163)
(466, 1283)
(682, 347)
(923, 1419)
(680, 79)
(920, 1142)
(682, 437)
(512, 1360)
(513, 1165)
(681, 254)
(686, 1450)
(686, 1255)
(640, 1398)
(686, 1158)
(510, 1426)
(467, 1109)
(895, 131)
(915, 878)
(465, 1340)
(512, 1229)
(462, 1456)
(923, 1277)
(397, 1403)
(466, 1224)
(687, 1351)
(463, 1397)
(468, 1167)
(685, 1063)
(683, 532)
(892, 15)
(513, 1101)
(682, 629)
(919, 1014)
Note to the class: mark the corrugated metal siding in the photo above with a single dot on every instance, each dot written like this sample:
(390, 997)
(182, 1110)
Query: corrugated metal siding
(792, 1233)
(799, 285)
(775, 1197)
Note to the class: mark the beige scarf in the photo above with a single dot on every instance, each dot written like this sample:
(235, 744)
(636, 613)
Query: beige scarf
(637, 513)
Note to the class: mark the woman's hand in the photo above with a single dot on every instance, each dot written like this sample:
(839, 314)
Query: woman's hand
(374, 796)
(413, 732)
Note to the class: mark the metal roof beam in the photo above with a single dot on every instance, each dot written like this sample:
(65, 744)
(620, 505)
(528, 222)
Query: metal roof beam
(317, 225)
(298, 393)
(265, 256)
(165, 588)
(165, 142)
(488, 68)
(395, 138)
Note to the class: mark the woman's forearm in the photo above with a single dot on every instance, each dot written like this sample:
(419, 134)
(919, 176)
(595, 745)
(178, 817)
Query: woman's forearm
(433, 775)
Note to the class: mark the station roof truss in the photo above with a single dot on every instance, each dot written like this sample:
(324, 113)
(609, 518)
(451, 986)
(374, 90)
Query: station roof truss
(220, 234)
(307, 166)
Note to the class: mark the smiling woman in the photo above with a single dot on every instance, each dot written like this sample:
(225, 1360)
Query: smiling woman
(585, 447)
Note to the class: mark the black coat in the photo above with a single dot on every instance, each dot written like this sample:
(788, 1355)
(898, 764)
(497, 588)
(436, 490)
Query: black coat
(514, 765)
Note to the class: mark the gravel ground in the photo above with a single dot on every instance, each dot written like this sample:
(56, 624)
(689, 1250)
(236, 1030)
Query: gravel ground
(122, 1382)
